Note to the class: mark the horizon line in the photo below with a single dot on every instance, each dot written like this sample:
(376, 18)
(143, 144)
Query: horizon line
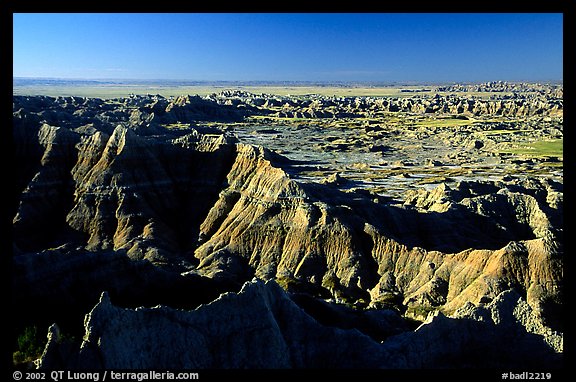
(295, 82)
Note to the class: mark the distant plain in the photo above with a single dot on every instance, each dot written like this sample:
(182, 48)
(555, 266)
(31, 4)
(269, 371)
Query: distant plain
(118, 89)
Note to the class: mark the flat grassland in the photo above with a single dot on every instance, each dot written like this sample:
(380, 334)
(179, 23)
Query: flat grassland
(549, 147)
(106, 90)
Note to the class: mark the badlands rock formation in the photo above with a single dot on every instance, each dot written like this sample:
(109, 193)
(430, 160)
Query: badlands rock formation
(155, 201)
(261, 327)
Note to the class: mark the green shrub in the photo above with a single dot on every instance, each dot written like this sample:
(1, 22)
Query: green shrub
(420, 312)
(30, 345)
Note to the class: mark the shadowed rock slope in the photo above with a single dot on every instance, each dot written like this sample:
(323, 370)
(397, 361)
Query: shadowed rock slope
(261, 327)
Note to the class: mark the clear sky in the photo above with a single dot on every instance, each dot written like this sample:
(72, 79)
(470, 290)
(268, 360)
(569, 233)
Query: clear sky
(388, 47)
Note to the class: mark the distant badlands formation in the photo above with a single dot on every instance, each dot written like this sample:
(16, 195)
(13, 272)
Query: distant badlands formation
(186, 248)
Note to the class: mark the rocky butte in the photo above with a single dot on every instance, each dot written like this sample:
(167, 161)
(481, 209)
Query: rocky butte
(147, 233)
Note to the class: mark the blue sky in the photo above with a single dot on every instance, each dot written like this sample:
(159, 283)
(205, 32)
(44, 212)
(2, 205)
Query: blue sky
(420, 47)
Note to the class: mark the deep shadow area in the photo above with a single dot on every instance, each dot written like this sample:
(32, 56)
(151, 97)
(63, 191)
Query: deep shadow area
(486, 345)
(452, 231)
(71, 287)
(377, 324)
